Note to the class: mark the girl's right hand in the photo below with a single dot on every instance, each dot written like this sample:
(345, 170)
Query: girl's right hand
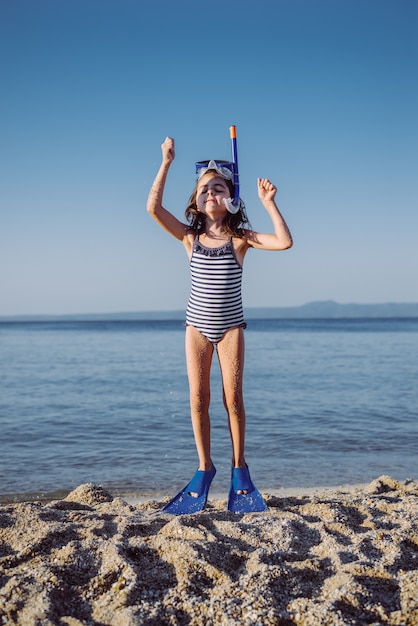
(167, 149)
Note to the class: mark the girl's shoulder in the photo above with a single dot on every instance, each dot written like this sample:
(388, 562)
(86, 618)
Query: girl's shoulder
(191, 234)
(242, 238)
(241, 246)
(189, 240)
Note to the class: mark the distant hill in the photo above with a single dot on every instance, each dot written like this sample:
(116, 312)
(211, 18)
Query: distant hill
(327, 309)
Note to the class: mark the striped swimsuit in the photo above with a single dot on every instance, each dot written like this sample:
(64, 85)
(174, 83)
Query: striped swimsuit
(215, 303)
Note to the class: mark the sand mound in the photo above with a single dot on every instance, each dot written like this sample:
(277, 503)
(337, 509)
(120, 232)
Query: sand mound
(334, 558)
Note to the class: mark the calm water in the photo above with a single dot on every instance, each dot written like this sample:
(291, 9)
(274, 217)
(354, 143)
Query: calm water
(329, 402)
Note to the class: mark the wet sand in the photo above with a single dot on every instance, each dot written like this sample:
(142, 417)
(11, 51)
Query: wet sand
(330, 557)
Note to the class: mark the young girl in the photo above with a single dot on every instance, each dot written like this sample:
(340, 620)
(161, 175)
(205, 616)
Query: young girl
(216, 243)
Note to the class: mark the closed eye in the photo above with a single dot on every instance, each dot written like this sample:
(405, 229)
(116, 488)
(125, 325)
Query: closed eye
(216, 188)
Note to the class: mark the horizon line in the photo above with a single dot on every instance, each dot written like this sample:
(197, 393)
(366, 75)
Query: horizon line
(313, 305)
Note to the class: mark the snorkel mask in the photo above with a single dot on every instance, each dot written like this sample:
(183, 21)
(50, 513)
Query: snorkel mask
(227, 170)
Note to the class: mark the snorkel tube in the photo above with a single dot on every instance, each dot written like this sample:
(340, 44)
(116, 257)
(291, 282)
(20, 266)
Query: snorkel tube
(233, 204)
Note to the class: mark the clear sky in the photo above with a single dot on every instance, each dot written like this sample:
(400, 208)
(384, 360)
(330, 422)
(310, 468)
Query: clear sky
(324, 97)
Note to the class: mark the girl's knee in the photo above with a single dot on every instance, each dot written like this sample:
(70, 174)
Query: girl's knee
(234, 405)
(199, 401)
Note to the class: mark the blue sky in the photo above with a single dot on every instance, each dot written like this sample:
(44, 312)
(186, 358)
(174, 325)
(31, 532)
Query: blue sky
(324, 96)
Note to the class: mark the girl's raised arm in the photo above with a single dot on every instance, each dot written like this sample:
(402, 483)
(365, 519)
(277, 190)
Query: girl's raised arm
(154, 205)
(281, 239)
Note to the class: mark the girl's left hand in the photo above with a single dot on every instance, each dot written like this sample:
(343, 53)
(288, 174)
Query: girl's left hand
(266, 190)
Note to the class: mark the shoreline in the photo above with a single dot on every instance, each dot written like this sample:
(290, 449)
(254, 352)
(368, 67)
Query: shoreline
(317, 557)
(283, 492)
(140, 497)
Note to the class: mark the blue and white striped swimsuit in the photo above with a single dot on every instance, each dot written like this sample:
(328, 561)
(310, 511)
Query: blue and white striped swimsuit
(215, 302)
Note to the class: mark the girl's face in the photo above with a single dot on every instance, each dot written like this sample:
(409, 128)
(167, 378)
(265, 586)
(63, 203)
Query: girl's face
(211, 192)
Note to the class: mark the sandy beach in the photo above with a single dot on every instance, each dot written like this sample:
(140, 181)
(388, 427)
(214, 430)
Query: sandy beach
(330, 557)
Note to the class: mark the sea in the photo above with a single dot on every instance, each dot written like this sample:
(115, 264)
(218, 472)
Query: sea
(329, 402)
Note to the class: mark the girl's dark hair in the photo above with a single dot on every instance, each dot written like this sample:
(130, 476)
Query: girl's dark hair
(234, 224)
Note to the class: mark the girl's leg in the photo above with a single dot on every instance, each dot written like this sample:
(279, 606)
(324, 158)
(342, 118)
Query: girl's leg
(199, 352)
(231, 359)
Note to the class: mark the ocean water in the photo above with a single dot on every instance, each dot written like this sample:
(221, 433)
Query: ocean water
(328, 402)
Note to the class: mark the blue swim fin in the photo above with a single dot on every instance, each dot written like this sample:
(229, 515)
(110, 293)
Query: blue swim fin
(184, 503)
(251, 502)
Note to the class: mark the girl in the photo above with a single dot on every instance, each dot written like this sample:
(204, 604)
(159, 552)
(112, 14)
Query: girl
(216, 243)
